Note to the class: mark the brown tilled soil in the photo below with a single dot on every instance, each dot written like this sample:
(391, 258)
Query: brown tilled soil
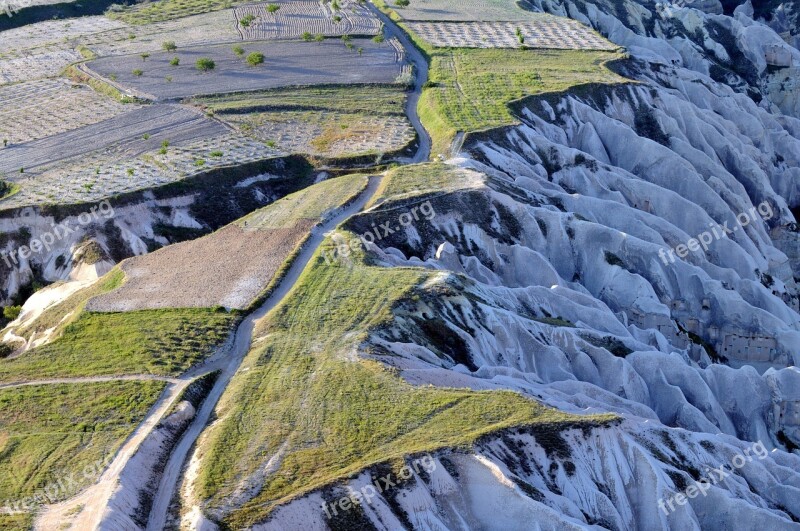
(228, 268)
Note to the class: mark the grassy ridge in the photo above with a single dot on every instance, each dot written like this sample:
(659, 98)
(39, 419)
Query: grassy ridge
(332, 413)
(49, 431)
(310, 203)
(471, 88)
(161, 342)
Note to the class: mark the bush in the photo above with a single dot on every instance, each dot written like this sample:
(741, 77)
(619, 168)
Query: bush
(379, 38)
(169, 46)
(271, 8)
(204, 64)
(307, 36)
(255, 58)
(401, 3)
(137, 72)
(11, 312)
(175, 61)
(246, 20)
(238, 50)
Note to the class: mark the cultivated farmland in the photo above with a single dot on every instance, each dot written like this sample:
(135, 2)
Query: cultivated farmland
(106, 173)
(121, 136)
(232, 266)
(206, 28)
(287, 64)
(296, 17)
(329, 122)
(550, 32)
(39, 109)
(477, 10)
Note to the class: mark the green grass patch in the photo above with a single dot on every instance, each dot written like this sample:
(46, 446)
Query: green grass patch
(470, 89)
(310, 203)
(16, 522)
(160, 342)
(50, 431)
(419, 179)
(7, 189)
(338, 414)
(60, 315)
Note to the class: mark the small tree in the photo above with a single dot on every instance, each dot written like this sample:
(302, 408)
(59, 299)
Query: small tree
(401, 3)
(319, 37)
(204, 64)
(271, 8)
(175, 61)
(255, 58)
(144, 56)
(169, 46)
(238, 50)
(307, 36)
(379, 38)
(137, 72)
(246, 20)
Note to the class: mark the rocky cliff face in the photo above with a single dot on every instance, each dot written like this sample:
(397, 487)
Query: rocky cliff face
(631, 249)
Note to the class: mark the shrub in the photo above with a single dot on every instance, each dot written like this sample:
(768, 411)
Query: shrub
(169, 46)
(379, 38)
(307, 36)
(144, 56)
(204, 64)
(175, 61)
(246, 20)
(238, 50)
(401, 3)
(255, 58)
(137, 72)
(11, 312)
(319, 37)
(216, 154)
(271, 8)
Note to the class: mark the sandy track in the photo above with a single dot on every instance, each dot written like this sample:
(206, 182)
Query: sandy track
(93, 379)
(95, 499)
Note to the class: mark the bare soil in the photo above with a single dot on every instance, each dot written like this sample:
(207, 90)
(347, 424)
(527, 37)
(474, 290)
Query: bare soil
(229, 268)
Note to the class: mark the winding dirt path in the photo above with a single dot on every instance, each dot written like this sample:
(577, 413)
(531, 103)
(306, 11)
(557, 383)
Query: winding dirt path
(94, 500)
(241, 345)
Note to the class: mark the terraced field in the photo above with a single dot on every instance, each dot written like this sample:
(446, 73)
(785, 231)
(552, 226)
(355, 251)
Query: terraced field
(230, 267)
(463, 10)
(330, 122)
(45, 49)
(296, 17)
(286, 64)
(550, 32)
(118, 137)
(206, 28)
(43, 108)
(103, 174)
